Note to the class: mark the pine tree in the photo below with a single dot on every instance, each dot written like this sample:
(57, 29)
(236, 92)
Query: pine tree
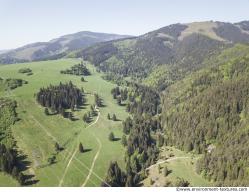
(46, 111)
(81, 148)
(85, 117)
(82, 79)
(93, 112)
(119, 101)
(114, 118)
(51, 160)
(57, 147)
(111, 136)
(115, 176)
(108, 116)
(165, 171)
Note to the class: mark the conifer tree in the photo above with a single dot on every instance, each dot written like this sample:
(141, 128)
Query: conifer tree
(81, 148)
(111, 136)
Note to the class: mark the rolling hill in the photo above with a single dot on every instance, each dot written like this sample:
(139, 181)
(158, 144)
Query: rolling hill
(179, 47)
(56, 47)
(174, 101)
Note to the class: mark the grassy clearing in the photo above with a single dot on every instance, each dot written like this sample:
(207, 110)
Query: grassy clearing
(36, 133)
(180, 164)
(7, 181)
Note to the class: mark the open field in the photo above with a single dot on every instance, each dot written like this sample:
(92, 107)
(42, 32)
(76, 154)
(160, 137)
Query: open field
(180, 164)
(7, 181)
(37, 133)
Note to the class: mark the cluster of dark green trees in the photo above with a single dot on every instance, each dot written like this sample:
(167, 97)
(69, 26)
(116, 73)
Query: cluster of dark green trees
(119, 94)
(143, 100)
(114, 117)
(213, 111)
(79, 69)
(26, 71)
(9, 163)
(98, 100)
(61, 97)
(87, 117)
(115, 176)
(12, 83)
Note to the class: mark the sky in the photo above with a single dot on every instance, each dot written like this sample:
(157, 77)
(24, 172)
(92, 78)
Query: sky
(28, 21)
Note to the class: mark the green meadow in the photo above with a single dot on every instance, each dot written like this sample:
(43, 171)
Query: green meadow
(179, 164)
(36, 133)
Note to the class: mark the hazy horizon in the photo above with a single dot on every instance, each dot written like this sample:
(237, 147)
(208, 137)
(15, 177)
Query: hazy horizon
(25, 22)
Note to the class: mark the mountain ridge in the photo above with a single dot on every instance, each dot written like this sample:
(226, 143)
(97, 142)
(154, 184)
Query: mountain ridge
(179, 46)
(56, 46)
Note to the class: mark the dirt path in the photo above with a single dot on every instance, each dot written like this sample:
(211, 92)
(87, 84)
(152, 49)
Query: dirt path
(93, 163)
(168, 160)
(68, 164)
(73, 155)
(44, 128)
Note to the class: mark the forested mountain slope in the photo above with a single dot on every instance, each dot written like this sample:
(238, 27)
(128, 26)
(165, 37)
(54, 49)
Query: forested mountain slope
(207, 112)
(180, 47)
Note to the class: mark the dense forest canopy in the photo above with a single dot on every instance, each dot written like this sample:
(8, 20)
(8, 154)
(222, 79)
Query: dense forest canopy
(60, 97)
(209, 115)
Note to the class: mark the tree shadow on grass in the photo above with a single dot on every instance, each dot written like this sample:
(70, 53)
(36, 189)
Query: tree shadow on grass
(29, 180)
(75, 119)
(87, 150)
(122, 104)
(116, 139)
(23, 165)
(169, 172)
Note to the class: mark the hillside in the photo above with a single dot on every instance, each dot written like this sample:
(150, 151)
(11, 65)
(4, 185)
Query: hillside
(207, 112)
(167, 108)
(36, 133)
(56, 48)
(180, 47)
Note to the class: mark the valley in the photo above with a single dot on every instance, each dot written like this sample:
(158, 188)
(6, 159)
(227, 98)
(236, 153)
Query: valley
(167, 108)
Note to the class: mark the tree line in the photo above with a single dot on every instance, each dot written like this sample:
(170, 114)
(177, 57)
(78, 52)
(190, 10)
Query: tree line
(141, 148)
(9, 158)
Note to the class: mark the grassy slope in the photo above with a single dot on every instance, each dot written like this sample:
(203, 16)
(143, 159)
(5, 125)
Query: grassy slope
(7, 181)
(182, 165)
(36, 133)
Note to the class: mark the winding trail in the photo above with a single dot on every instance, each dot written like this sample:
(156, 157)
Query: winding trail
(73, 155)
(168, 160)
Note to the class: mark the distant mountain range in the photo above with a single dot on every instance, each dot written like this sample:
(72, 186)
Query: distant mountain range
(57, 47)
(184, 44)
